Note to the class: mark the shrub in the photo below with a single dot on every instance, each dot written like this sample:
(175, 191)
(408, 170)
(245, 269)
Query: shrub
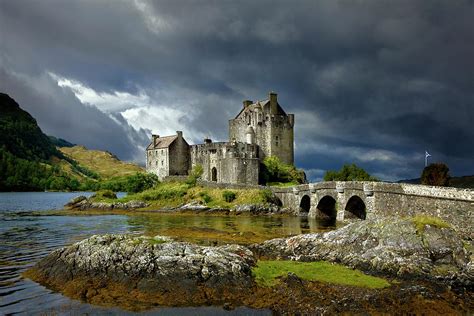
(435, 174)
(195, 174)
(107, 194)
(205, 197)
(267, 195)
(273, 170)
(228, 196)
(348, 173)
(140, 182)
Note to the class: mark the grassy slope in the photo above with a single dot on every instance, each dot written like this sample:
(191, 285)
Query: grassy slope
(103, 163)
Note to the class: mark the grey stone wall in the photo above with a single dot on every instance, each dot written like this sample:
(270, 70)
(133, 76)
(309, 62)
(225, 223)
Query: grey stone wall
(158, 162)
(232, 162)
(179, 157)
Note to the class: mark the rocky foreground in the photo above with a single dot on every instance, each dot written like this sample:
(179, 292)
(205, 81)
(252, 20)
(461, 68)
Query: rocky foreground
(142, 272)
(383, 246)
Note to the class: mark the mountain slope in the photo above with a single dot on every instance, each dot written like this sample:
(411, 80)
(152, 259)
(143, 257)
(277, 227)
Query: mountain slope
(30, 160)
(105, 164)
(20, 135)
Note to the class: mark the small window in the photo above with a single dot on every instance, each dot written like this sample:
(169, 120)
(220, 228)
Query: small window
(156, 163)
(162, 162)
(276, 140)
(162, 151)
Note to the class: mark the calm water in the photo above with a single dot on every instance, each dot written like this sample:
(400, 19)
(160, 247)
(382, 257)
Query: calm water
(26, 236)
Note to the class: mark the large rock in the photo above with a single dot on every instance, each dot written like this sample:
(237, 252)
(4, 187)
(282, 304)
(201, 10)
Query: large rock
(83, 203)
(390, 245)
(170, 272)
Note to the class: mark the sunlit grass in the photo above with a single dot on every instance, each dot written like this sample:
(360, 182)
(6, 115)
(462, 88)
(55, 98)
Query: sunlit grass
(266, 273)
(421, 221)
(101, 162)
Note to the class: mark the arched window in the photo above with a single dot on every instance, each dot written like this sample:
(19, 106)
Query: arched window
(276, 140)
(214, 174)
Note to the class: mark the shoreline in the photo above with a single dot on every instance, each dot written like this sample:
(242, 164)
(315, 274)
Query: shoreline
(427, 291)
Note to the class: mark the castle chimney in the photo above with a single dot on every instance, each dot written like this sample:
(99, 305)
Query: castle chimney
(154, 137)
(247, 103)
(180, 134)
(272, 96)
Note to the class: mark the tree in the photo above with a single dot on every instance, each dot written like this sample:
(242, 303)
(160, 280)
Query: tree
(435, 174)
(348, 173)
(273, 170)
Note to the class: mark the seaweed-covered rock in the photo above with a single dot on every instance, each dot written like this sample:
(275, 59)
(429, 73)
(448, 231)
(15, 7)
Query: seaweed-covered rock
(171, 272)
(388, 245)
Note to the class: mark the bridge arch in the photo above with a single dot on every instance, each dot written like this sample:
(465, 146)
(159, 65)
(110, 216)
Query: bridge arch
(327, 207)
(355, 208)
(305, 204)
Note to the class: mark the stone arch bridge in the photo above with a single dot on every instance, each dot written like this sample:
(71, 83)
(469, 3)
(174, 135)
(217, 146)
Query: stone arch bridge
(363, 200)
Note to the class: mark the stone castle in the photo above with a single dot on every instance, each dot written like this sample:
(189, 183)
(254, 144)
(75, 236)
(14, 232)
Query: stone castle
(261, 129)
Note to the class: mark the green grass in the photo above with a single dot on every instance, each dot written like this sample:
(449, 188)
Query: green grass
(421, 221)
(173, 194)
(283, 184)
(267, 272)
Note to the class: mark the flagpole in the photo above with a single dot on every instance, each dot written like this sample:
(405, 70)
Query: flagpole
(426, 158)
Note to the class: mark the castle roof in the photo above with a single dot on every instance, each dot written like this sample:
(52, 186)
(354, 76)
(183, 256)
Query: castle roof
(162, 142)
(261, 106)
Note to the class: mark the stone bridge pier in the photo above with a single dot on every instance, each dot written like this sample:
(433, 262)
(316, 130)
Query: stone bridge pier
(340, 200)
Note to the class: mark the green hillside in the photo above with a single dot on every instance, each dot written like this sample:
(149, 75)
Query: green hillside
(30, 160)
(20, 134)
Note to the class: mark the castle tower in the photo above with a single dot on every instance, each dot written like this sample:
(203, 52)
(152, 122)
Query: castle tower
(271, 127)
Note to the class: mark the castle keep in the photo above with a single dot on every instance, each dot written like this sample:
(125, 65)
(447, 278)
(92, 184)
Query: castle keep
(261, 129)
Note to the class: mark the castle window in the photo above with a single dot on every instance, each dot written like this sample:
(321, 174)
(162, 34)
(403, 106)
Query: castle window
(156, 163)
(276, 140)
(162, 151)
(162, 162)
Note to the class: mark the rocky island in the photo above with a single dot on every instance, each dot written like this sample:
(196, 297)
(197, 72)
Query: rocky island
(426, 266)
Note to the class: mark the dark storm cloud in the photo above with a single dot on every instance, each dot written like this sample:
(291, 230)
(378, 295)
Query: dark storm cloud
(371, 82)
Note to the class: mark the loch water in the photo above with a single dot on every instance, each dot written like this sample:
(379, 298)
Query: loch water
(29, 231)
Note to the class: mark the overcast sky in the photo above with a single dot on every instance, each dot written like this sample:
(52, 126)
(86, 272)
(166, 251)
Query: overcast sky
(374, 83)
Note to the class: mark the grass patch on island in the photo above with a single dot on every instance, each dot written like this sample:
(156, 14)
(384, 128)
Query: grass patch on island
(173, 194)
(267, 273)
(421, 221)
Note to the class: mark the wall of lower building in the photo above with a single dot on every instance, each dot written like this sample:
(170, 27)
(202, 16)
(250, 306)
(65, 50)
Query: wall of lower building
(233, 162)
(158, 162)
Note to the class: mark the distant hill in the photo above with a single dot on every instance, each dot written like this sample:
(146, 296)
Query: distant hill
(464, 182)
(105, 164)
(20, 135)
(31, 160)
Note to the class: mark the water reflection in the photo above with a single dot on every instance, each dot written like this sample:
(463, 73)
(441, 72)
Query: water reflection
(26, 237)
(213, 230)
